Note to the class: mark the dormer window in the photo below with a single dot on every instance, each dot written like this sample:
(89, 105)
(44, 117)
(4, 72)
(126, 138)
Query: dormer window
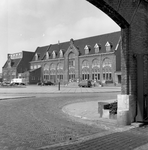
(97, 48)
(53, 54)
(47, 55)
(61, 53)
(86, 48)
(36, 56)
(108, 46)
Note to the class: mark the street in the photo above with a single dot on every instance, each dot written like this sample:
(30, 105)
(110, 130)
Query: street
(34, 122)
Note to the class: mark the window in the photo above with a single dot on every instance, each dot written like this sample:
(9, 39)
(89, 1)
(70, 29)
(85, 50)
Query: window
(59, 66)
(108, 46)
(39, 66)
(85, 64)
(97, 48)
(53, 54)
(31, 67)
(95, 74)
(107, 74)
(86, 49)
(71, 75)
(53, 73)
(71, 55)
(46, 72)
(52, 67)
(61, 53)
(35, 66)
(96, 63)
(85, 74)
(107, 62)
(36, 56)
(47, 55)
(60, 71)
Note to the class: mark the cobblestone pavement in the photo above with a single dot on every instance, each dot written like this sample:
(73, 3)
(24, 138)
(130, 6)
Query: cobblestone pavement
(127, 140)
(35, 122)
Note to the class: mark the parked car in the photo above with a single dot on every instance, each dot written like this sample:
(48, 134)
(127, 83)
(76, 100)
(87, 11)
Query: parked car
(48, 83)
(45, 83)
(5, 83)
(85, 83)
(16, 84)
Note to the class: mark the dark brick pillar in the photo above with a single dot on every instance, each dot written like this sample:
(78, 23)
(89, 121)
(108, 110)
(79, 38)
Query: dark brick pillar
(125, 61)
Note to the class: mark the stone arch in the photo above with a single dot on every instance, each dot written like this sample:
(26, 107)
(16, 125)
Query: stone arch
(131, 16)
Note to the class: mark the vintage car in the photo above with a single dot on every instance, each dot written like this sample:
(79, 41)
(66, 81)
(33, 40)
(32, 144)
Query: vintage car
(85, 83)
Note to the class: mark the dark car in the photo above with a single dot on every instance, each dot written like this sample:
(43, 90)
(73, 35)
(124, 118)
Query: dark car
(46, 83)
(85, 83)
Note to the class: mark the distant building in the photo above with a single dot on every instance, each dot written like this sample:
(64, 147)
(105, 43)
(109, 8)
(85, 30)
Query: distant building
(95, 58)
(17, 66)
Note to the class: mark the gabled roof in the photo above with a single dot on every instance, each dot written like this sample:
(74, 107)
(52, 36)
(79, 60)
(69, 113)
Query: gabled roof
(14, 63)
(101, 39)
(80, 45)
(91, 42)
(41, 51)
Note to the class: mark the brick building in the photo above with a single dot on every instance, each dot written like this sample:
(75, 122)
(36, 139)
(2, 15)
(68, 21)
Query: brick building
(17, 66)
(94, 58)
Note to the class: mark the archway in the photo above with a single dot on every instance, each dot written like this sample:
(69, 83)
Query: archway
(132, 17)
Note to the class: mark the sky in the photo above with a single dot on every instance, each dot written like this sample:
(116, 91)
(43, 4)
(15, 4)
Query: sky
(28, 24)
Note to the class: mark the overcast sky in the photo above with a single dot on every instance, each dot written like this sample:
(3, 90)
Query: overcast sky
(27, 24)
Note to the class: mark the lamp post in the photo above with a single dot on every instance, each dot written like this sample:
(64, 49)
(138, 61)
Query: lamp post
(59, 67)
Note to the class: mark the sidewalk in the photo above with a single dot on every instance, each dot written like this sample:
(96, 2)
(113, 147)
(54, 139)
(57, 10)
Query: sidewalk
(115, 138)
(33, 89)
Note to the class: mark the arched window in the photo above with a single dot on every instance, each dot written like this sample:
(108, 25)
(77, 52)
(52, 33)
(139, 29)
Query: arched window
(53, 72)
(96, 70)
(85, 70)
(71, 66)
(85, 64)
(71, 60)
(107, 69)
(60, 71)
(96, 63)
(46, 72)
(107, 62)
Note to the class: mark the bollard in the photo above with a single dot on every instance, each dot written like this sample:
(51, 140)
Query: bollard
(59, 86)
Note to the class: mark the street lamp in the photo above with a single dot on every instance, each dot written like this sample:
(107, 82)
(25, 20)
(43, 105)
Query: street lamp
(59, 67)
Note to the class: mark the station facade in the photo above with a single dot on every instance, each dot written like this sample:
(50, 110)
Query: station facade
(94, 58)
